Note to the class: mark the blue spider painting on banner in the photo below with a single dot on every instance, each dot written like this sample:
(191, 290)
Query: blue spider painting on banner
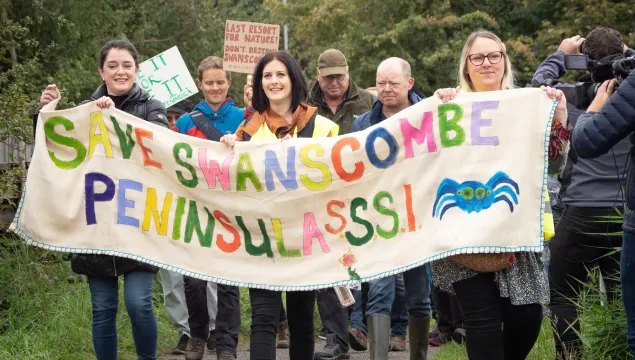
(474, 196)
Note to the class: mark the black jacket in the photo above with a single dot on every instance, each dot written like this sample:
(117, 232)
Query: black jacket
(139, 104)
(596, 133)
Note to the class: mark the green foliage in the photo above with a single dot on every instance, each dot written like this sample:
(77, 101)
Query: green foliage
(36, 309)
(245, 314)
(19, 93)
(62, 43)
(430, 34)
(43, 316)
(603, 322)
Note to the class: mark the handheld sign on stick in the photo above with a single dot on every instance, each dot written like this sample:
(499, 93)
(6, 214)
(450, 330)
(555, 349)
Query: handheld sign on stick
(246, 43)
(166, 77)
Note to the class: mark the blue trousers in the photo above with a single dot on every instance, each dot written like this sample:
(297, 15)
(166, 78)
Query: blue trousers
(381, 294)
(138, 299)
(399, 311)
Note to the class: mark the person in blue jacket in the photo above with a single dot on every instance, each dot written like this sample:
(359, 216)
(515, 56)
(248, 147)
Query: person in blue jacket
(394, 86)
(221, 112)
(219, 109)
(609, 119)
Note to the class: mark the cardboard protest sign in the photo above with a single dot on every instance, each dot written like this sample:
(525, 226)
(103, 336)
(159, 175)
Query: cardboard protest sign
(431, 181)
(246, 43)
(166, 77)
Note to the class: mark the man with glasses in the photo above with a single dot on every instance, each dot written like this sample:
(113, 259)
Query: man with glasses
(337, 98)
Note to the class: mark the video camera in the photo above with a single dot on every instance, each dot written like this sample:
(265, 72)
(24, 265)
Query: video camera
(616, 67)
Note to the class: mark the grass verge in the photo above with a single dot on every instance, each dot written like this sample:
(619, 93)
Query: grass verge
(43, 316)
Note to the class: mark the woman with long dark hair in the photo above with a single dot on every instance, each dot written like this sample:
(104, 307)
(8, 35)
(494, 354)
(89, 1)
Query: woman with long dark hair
(279, 90)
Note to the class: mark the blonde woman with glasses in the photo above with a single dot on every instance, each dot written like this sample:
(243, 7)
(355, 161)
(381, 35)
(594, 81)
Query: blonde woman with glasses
(502, 310)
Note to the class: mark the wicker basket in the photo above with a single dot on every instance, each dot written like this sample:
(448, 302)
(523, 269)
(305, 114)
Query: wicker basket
(484, 262)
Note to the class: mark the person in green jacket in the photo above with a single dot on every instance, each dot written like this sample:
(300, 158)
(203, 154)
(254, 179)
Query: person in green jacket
(337, 98)
(334, 93)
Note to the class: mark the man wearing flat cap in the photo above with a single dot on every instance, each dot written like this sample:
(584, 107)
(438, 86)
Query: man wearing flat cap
(335, 95)
(337, 98)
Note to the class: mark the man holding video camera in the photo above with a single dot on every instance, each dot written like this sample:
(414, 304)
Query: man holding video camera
(609, 120)
(591, 189)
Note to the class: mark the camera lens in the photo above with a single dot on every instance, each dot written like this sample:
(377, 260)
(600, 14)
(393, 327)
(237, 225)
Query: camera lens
(593, 90)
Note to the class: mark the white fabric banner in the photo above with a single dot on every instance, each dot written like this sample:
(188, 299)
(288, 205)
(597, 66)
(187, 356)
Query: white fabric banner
(434, 180)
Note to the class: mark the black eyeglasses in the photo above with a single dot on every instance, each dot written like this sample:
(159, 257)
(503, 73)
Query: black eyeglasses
(494, 58)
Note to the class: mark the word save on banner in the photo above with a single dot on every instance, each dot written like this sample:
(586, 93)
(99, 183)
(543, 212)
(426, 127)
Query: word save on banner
(246, 43)
(166, 77)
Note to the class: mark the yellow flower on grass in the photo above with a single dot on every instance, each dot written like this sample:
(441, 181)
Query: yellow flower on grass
(348, 259)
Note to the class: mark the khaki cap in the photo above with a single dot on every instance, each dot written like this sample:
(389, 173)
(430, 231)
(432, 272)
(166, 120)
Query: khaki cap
(332, 62)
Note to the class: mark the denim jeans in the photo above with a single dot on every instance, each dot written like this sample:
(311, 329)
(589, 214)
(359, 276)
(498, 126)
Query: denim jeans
(398, 314)
(399, 311)
(265, 317)
(381, 294)
(359, 310)
(138, 299)
(627, 277)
